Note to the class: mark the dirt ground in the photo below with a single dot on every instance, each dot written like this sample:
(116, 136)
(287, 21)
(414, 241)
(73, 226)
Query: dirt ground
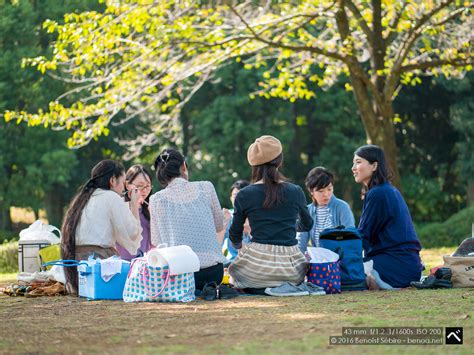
(247, 324)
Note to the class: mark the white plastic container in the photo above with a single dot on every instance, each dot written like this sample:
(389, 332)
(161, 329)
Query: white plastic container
(28, 257)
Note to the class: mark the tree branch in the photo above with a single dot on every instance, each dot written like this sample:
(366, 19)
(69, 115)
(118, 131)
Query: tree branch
(363, 24)
(353, 65)
(394, 24)
(453, 15)
(415, 32)
(296, 28)
(279, 44)
(378, 46)
(411, 37)
(435, 63)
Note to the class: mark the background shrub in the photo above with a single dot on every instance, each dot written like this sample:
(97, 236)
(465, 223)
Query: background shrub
(9, 257)
(8, 236)
(449, 233)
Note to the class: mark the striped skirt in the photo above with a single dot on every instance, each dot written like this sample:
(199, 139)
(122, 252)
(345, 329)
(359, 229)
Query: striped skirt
(265, 265)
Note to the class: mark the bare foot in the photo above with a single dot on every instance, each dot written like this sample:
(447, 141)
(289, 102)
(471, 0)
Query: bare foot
(372, 284)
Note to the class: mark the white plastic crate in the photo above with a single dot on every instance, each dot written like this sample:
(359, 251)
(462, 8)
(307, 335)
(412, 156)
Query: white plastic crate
(28, 259)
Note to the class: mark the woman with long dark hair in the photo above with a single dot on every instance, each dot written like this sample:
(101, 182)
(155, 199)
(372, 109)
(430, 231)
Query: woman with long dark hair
(98, 217)
(389, 235)
(187, 213)
(276, 209)
(138, 178)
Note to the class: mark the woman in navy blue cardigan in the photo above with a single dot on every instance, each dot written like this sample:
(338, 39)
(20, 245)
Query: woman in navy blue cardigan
(389, 235)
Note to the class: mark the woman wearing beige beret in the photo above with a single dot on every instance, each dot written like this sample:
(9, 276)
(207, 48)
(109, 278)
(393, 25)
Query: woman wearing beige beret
(276, 209)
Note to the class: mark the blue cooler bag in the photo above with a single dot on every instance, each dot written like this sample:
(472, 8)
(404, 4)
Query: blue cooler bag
(347, 242)
(93, 286)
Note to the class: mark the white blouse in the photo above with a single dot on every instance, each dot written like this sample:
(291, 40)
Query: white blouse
(188, 213)
(107, 219)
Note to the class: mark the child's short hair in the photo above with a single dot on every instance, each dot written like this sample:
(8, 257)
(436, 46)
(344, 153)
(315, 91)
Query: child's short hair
(239, 185)
(318, 178)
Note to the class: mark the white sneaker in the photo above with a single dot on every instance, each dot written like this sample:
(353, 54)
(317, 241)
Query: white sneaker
(286, 290)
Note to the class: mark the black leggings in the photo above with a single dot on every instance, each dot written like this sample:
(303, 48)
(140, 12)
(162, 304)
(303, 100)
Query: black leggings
(210, 274)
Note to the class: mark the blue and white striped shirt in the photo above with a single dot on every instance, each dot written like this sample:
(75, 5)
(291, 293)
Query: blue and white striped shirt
(323, 220)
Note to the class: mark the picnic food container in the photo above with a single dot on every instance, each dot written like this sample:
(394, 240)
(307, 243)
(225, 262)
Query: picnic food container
(28, 250)
(92, 286)
(32, 239)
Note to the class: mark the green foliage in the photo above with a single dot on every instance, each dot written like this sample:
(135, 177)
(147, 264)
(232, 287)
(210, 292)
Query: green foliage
(135, 56)
(449, 233)
(462, 117)
(425, 198)
(6, 236)
(244, 100)
(38, 170)
(9, 257)
(40, 161)
(221, 121)
(432, 162)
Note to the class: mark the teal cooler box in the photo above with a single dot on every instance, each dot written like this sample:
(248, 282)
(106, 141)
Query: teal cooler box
(92, 286)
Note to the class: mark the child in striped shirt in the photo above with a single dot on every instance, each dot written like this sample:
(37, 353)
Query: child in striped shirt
(327, 210)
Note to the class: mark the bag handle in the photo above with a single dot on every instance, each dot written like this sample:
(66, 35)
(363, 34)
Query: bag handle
(133, 263)
(340, 251)
(167, 280)
(55, 229)
(66, 263)
(145, 266)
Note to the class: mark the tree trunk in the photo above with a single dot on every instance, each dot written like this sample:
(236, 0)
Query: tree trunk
(347, 195)
(5, 218)
(378, 125)
(54, 204)
(184, 119)
(384, 136)
(380, 131)
(470, 193)
(297, 166)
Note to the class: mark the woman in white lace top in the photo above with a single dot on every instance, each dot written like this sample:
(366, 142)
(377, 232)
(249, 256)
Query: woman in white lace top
(187, 213)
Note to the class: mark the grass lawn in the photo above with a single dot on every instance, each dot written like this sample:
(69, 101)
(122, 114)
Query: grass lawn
(434, 257)
(243, 325)
(7, 278)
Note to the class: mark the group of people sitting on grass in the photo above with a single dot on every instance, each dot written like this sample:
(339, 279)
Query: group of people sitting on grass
(265, 235)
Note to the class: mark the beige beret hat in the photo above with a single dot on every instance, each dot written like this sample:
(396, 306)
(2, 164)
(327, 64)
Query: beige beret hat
(263, 150)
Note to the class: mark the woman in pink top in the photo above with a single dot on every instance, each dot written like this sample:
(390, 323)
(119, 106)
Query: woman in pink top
(139, 178)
